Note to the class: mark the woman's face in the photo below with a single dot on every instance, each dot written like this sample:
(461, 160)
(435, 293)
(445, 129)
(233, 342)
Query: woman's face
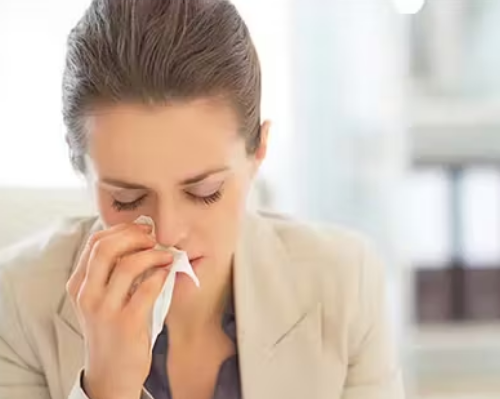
(184, 165)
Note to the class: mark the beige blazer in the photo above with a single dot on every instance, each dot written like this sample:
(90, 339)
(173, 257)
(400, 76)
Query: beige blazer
(309, 305)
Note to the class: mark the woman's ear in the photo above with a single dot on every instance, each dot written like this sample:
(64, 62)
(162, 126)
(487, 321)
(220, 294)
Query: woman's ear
(260, 153)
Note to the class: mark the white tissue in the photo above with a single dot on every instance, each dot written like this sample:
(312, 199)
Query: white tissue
(180, 265)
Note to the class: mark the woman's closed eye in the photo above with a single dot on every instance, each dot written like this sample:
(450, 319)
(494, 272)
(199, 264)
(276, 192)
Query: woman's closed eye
(128, 205)
(208, 199)
(204, 196)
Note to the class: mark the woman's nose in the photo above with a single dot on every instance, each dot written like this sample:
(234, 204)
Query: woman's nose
(170, 228)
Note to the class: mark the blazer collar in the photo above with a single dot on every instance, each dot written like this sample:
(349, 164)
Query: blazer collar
(70, 344)
(67, 313)
(266, 298)
(279, 328)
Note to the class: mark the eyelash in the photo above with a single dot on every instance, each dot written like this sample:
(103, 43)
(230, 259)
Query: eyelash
(130, 206)
(208, 200)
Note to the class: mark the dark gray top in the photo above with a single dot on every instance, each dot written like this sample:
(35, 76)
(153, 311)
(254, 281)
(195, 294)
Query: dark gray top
(228, 381)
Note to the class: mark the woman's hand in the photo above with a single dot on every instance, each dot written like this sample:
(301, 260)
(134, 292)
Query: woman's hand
(116, 323)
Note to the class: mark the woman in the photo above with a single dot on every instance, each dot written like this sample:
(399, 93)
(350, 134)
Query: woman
(161, 104)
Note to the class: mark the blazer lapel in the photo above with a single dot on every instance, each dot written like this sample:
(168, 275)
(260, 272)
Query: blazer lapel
(69, 337)
(70, 346)
(279, 332)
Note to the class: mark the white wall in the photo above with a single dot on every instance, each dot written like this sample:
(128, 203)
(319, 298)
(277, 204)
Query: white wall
(24, 211)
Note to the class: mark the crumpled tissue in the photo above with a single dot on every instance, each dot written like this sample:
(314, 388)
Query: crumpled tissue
(180, 264)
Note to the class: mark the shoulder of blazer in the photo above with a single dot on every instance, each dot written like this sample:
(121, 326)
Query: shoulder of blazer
(52, 248)
(326, 249)
(37, 268)
(337, 265)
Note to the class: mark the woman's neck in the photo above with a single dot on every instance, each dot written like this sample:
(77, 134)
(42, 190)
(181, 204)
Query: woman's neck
(189, 321)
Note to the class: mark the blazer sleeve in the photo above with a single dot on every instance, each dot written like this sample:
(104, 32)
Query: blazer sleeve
(20, 375)
(373, 371)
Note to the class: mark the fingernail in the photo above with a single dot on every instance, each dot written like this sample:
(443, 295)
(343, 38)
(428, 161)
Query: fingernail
(145, 227)
(165, 254)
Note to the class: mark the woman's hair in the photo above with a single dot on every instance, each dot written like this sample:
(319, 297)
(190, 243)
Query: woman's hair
(159, 52)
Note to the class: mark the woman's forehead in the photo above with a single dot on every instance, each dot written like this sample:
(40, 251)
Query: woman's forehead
(191, 127)
(179, 140)
(190, 117)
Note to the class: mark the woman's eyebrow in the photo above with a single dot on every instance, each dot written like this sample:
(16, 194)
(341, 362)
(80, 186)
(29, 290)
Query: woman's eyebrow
(185, 182)
(202, 176)
(123, 184)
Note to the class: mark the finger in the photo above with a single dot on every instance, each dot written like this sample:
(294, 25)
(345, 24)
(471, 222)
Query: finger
(143, 300)
(76, 279)
(109, 249)
(133, 270)
(74, 283)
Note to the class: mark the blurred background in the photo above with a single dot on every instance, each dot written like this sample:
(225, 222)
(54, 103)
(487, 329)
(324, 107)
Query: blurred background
(386, 118)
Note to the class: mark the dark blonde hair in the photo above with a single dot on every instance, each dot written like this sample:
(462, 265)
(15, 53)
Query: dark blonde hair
(159, 52)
